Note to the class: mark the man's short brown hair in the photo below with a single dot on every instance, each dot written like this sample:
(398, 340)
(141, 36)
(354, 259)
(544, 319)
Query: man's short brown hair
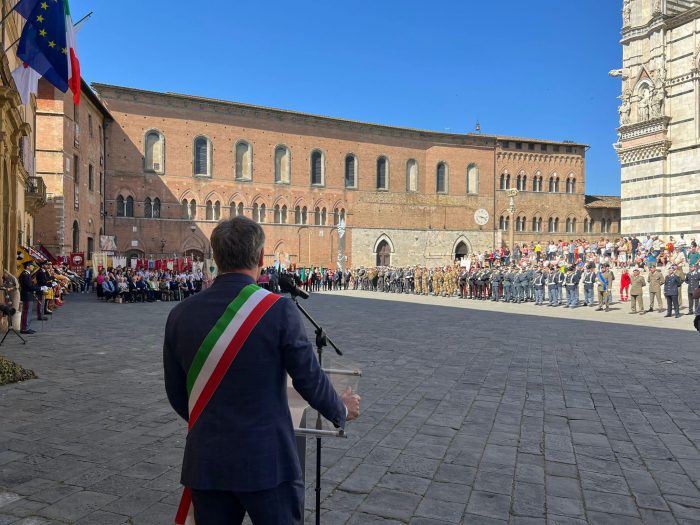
(237, 244)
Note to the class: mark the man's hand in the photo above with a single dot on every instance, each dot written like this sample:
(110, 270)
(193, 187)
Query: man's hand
(352, 403)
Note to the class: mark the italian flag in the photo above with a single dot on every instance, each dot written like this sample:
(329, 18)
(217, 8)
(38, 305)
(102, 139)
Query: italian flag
(72, 57)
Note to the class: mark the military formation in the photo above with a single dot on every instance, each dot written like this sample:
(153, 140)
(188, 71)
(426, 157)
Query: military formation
(542, 283)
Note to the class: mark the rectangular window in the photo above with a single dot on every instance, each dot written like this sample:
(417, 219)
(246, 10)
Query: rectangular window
(531, 147)
(506, 144)
(101, 182)
(90, 125)
(76, 183)
(518, 145)
(90, 248)
(556, 149)
(91, 178)
(569, 149)
(543, 147)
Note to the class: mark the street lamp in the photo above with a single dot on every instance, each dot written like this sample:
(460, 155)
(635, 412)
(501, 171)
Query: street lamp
(511, 193)
(193, 227)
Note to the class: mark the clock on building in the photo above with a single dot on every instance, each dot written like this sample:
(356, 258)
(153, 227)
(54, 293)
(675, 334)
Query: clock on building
(481, 216)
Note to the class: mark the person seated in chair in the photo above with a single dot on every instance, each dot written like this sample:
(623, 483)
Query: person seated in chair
(109, 290)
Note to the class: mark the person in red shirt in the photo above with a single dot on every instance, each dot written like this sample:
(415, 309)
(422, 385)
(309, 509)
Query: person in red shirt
(625, 282)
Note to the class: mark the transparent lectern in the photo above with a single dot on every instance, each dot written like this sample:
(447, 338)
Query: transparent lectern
(309, 424)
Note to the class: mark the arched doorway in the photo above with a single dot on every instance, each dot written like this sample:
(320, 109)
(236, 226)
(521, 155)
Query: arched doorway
(383, 254)
(76, 237)
(461, 251)
(197, 255)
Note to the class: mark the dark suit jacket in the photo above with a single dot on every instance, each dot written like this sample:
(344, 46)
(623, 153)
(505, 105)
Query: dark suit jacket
(244, 439)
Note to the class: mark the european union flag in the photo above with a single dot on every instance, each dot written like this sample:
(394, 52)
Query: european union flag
(43, 42)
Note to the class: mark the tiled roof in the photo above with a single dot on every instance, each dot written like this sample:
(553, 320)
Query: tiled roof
(602, 201)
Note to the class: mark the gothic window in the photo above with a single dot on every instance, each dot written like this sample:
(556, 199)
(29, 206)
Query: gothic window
(148, 208)
(554, 184)
(202, 157)
(502, 184)
(317, 216)
(383, 254)
(154, 152)
(283, 214)
(537, 224)
(472, 179)
(256, 212)
(382, 173)
(411, 175)
(297, 215)
(76, 237)
(504, 223)
(120, 206)
(156, 208)
(342, 214)
(350, 171)
(241, 210)
(263, 213)
(508, 181)
(277, 214)
(571, 225)
(520, 224)
(336, 216)
(244, 161)
(304, 215)
(185, 209)
(317, 168)
(129, 207)
(324, 214)
(193, 209)
(441, 178)
(571, 185)
(283, 165)
(553, 225)
(217, 210)
(209, 211)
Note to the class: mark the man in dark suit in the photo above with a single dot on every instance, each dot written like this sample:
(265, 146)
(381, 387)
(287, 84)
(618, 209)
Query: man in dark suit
(240, 454)
(27, 289)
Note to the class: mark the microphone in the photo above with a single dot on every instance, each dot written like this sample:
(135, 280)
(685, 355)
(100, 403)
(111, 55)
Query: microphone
(287, 285)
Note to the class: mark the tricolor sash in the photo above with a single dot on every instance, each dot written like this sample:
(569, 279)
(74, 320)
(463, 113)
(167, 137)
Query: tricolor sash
(213, 359)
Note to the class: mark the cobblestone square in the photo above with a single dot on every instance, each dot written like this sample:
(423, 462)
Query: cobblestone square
(469, 416)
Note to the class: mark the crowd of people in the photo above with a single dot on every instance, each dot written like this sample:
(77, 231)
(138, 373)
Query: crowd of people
(45, 286)
(127, 285)
(568, 274)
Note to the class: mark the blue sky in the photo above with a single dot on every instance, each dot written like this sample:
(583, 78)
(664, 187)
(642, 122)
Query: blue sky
(532, 69)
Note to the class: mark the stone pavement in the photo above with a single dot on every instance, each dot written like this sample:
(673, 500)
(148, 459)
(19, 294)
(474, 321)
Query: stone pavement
(469, 416)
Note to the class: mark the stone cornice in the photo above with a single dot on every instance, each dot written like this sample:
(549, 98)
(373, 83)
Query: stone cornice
(683, 18)
(657, 23)
(640, 129)
(510, 156)
(649, 151)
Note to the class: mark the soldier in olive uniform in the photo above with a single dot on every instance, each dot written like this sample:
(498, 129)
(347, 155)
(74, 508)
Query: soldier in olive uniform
(637, 284)
(656, 281)
(418, 276)
(605, 282)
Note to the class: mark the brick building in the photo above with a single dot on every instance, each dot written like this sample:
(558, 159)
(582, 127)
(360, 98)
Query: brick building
(70, 160)
(176, 164)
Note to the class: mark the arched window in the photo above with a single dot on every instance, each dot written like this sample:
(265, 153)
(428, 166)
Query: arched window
(244, 161)
(411, 175)
(573, 225)
(317, 168)
(342, 214)
(304, 215)
(502, 184)
(121, 208)
(217, 210)
(537, 224)
(336, 216)
(317, 216)
(156, 208)
(256, 212)
(283, 165)
(382, 173)
(263, 213)
(148, 208)
(570, 225)
(297, 215)
(283, 214)
(441, 178)
(521, 183)
(350, 171)
(324, 215)
(154, 152)
(520, 224)
(193, 209)
(537, 184)
(185, 209)
(472, 179)
(129, 207)
(209, 211)
(553, 184)
(383, 254)
(76, 237)
(571, 185)
(504, 223)
(507, 181)
(202, 157)
(276, 214)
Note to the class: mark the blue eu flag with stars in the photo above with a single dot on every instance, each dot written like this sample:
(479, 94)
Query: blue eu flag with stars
(42, 45)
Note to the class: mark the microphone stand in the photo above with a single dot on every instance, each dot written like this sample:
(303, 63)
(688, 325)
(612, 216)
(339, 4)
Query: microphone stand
(322, 340)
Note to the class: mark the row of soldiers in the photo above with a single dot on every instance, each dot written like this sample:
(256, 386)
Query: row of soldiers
(501, 283)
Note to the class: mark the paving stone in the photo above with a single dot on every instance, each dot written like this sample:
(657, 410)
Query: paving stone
(387, 503)
(77, 505)
(612, 503)
(489, 505)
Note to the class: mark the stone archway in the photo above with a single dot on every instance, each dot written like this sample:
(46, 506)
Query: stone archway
(383, 253)
(461, 251)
